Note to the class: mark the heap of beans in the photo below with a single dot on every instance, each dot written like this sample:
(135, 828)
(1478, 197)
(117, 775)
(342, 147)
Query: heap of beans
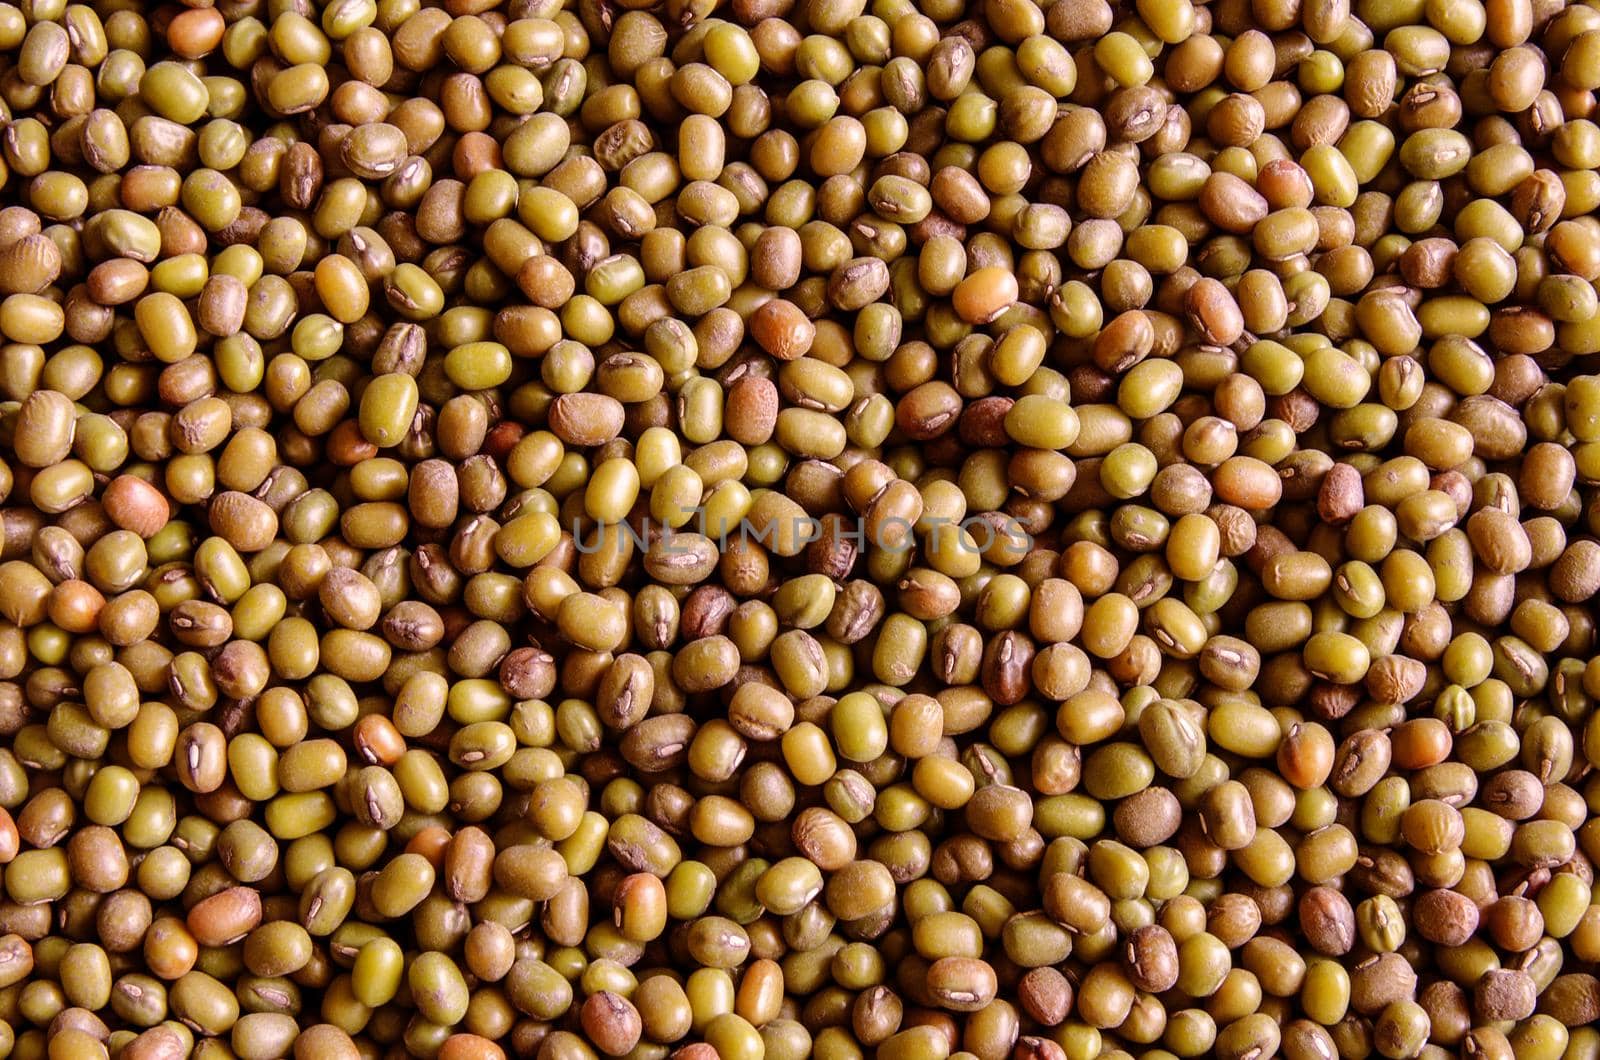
(752, 529)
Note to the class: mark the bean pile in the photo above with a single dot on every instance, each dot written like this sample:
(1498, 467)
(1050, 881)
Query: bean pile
(747, 530)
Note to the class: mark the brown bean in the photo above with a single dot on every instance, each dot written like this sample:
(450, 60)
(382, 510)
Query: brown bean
(225, 917)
